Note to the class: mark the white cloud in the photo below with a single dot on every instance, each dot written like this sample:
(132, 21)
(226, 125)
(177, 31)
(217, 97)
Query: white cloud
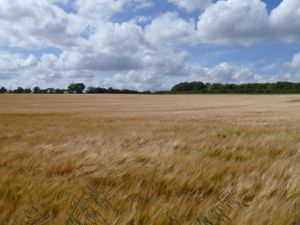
(111, 47)
(234, 22)
(48, 61)
(98, 9)
(246, 22)
(153, 79)
(192, 5)
(13, 62)
(14, 66)
(285, 20)
(295, 63)
(96, 61)
(170, 30)
(37, 24)
(159, 72)
(120, 38)
(230, 74)
(141, 53)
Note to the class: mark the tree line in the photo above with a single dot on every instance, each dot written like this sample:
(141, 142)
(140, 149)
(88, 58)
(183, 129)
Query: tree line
(181, 88)
(248, 88)
(74, 88)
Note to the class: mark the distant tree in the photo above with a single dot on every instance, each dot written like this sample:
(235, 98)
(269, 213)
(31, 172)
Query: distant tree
(3, 90)
(250, 88)
(76, 88)
(99, 90)
(19, 90)
(189, 87)
(27, 91)
(60, 91)
(51, 90)
(37, 90)
(96, 90)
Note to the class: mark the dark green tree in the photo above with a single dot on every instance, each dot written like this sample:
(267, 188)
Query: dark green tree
(59, 91)
(192, 87)
(3, 90)
(250, 88)
(19, 90)
(51, 90)
(76, 88)
(27, 91)
(37, 90)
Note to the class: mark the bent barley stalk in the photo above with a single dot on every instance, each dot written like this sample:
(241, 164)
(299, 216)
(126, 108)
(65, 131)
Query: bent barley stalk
(157, 160)
(87, 209)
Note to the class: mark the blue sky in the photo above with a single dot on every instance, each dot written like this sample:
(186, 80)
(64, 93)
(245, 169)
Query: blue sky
(144, 44)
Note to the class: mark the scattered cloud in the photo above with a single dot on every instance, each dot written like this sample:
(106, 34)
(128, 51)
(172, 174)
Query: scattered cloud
(143, 50)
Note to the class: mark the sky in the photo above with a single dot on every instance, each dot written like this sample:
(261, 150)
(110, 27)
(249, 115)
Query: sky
(148, 44)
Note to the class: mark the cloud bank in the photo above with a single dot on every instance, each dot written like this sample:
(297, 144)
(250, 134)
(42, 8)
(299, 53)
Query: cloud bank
(58, 42)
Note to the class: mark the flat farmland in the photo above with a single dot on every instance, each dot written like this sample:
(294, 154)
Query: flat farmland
(150, 159)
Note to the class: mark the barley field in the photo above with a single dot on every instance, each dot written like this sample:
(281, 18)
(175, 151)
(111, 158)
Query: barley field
(150, 159)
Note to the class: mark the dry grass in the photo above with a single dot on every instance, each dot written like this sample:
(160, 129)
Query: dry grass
(150, 159)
